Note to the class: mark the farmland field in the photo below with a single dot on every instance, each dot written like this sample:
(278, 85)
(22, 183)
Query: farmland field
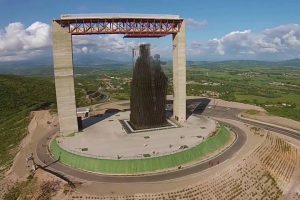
(277, 89)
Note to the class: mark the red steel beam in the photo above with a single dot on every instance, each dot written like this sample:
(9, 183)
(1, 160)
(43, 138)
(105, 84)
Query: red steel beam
(130, 27)
(143, 35)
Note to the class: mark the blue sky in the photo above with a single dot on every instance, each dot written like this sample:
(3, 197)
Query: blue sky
(235, 29)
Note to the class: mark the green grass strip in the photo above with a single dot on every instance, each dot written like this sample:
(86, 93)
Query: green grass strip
(141, 165)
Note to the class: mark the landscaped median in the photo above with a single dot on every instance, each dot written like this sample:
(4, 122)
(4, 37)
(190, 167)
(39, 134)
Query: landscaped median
(220, 139)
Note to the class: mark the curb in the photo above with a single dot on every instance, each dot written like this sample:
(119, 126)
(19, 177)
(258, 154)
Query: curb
(145, 174)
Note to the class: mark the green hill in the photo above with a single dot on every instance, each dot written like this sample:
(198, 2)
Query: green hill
(246, 63)
(20, 95)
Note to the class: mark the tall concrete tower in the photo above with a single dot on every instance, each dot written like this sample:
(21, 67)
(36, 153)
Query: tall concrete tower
(179, 74)
(64, 79)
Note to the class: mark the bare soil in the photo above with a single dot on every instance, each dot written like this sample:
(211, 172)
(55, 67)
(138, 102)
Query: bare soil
(266, 117)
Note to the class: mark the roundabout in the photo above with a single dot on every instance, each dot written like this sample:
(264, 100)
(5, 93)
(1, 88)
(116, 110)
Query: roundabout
(104, 136)
(249, 153)
(149, 164)
(56, 165)
(53, 163)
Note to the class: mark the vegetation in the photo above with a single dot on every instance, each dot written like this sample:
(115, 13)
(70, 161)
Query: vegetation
(141, 165)
(22, 190)
(276, 88)
(252, 112)
(273, 86)
(19, 96)
(31, 189)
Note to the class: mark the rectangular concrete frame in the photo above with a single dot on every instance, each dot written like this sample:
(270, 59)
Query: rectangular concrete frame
(179, 75)
(64, 79)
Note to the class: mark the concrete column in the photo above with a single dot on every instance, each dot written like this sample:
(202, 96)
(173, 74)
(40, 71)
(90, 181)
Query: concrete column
(64, 79)
(179, 75)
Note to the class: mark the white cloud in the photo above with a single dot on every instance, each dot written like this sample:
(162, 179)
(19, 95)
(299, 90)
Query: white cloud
(85, 49)
(279, 42)
(193, 23)
(20, 43)
(110, 43)
(116, 46)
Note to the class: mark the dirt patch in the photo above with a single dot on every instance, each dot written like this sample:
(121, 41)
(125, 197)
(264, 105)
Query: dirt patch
(231, 104)
(266, 117)
(40, 186)
(41, 122)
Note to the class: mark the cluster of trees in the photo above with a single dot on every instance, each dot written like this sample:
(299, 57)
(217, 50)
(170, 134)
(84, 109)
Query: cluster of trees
(20, 93)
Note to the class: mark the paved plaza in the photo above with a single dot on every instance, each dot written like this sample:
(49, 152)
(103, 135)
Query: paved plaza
(104, 137)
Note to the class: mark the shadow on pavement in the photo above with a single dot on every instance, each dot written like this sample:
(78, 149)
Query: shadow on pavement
(87, 122)
(196, 106)
(193, 106)
(71, 184)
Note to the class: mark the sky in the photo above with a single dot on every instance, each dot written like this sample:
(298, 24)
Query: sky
(216, 29)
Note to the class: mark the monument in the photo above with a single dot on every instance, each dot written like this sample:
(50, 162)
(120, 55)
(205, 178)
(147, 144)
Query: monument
(131, 26)
(148, 91)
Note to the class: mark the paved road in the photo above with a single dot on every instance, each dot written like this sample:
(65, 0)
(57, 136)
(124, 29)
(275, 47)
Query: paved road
(232, 113)
(44, 156)
(221, 112)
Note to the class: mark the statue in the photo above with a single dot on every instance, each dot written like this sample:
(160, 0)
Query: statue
(148, 91)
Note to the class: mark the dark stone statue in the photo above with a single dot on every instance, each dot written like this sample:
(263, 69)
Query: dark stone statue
(148, 91)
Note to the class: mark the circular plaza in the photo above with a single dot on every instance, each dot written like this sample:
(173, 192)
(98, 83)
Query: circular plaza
(105, 146)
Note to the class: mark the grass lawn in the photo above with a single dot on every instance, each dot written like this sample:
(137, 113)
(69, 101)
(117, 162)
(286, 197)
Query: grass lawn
(288, 112)
(141, 165)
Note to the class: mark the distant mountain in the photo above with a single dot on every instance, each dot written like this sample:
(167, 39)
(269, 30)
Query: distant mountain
(47, 70)
(27, 70)
(101, 60)
(247, 63)
(44, 65)
(290, 63)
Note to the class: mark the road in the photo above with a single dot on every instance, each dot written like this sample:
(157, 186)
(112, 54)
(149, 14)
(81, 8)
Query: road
(232, 113)
(219, 112)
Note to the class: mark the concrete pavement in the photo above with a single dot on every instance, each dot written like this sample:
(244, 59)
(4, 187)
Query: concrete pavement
(44, 157)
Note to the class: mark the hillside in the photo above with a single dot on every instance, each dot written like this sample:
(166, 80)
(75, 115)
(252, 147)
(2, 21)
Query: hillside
(246, 63)
(19, 95)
